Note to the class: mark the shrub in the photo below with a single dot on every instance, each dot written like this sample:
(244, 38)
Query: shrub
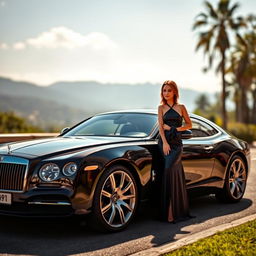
(245, 132)
(11, 123)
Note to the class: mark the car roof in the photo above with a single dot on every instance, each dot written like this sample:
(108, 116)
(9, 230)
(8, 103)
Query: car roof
(154, 111)
(141, 111)
(144, 111)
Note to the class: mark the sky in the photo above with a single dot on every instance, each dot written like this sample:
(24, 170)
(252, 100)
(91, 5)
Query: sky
(117, 41)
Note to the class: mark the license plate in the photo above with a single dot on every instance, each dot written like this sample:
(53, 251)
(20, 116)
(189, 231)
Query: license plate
(5, 198)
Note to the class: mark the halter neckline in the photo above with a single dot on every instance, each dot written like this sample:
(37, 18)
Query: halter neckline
(169, 105)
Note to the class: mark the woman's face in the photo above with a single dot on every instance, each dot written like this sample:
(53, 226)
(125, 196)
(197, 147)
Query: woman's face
(167, 92)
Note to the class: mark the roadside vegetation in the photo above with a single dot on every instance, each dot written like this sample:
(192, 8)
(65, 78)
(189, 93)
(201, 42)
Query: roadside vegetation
(11, 123)
(237, 241)
(211, 111)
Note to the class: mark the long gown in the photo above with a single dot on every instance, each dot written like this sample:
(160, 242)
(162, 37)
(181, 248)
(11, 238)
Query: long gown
(174, 199)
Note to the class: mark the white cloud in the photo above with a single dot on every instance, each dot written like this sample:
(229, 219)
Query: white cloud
(70, 56)
(62, 37)
(4, 46)
(3, 3)
(19, 46)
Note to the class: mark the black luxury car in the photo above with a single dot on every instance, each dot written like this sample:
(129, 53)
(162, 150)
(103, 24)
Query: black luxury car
(105, 165)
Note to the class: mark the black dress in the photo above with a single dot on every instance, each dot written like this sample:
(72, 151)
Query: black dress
(174, 199)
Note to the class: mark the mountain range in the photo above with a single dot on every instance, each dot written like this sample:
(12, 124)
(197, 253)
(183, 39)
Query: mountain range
(65, 103)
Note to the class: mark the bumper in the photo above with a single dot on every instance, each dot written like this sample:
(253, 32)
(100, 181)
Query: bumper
(36, 210)
(42, 203)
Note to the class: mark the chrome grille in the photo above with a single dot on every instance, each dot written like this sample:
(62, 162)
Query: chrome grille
(12, 174)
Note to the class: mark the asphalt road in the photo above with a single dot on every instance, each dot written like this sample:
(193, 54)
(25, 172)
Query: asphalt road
(71, 236)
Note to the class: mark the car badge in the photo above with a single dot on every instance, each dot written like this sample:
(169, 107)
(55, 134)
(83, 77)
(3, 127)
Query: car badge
(8, 149)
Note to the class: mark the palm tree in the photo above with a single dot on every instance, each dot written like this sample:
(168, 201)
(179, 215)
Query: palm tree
(215, 38)
(251, 19)
(243, 67)
(253, 90)
(243, 71)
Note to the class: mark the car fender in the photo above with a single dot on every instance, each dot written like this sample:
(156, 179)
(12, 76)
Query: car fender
(137, 157)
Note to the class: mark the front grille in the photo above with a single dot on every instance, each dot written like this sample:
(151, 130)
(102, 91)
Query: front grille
(12, 176)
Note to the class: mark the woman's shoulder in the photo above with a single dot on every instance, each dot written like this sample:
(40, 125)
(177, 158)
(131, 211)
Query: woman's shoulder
(161, 106)
(183, 109)
(180, 105)
(161, 109)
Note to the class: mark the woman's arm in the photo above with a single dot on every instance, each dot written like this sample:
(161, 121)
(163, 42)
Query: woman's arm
(188, 123)
(166, 146)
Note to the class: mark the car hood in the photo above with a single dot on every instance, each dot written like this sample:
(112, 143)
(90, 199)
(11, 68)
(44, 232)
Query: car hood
(42, 147)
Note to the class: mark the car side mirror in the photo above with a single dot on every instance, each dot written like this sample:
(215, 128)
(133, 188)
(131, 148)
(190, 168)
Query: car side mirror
(64, 130)
(186, 134)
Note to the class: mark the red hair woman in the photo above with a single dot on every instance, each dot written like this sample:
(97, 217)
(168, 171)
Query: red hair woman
(174, 199)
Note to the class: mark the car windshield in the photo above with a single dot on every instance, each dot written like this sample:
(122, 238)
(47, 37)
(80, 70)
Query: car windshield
(116, 124)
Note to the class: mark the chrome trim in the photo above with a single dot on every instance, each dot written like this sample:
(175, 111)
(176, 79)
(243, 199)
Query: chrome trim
(50, 203)
(16, 160)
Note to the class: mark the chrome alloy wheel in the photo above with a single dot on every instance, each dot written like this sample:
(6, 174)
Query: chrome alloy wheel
(237, 178)
(118, 198)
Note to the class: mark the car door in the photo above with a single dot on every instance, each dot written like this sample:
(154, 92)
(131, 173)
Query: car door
(198, 153)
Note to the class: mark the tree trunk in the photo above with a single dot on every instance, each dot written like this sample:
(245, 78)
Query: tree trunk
(238, 110)
(244, 106)
(223, 95)
(253, 115)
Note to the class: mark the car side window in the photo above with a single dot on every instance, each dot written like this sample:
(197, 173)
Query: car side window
(202, 129)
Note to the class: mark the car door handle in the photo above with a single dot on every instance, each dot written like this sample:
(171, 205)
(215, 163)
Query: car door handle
(208, 148)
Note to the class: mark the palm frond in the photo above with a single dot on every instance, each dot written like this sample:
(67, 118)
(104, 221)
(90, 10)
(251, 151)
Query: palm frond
(211, 10)
(251, 17)
(205, 40)
(233, 9)
(218, 67)
(237, 23)
(202, 40)
(202, 15)
(240, 40)
(199, 23)
(210, 60)
(223, 6)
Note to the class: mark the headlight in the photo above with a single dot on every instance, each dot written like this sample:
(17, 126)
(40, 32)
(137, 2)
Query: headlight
(49, 172)
(69, 169)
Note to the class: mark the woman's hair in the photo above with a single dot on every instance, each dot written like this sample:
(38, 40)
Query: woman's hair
(174, 87)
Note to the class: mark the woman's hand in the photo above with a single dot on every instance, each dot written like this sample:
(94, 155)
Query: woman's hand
(166, 148)
(166, 127)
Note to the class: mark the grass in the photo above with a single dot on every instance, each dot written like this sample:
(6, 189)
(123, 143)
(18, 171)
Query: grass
(237, 241)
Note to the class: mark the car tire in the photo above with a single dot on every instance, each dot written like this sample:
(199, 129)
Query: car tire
(235, 181)
(115, 200)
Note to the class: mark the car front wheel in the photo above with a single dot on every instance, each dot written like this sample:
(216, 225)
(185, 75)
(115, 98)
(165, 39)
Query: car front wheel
(235, 181)
(115, 200)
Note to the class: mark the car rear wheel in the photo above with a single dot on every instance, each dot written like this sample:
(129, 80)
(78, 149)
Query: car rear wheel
(115, 200)
(235, 181)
